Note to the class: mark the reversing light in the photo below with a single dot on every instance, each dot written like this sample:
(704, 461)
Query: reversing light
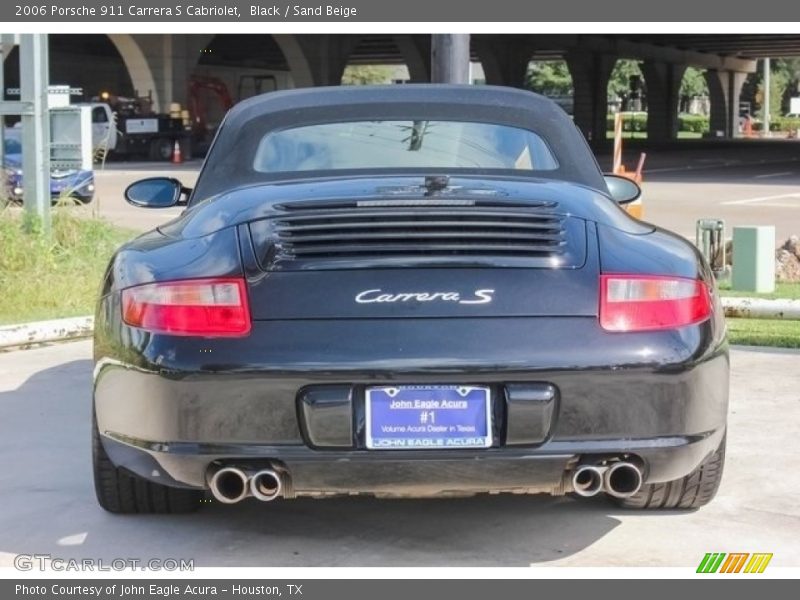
(649, 302)
(196, 307)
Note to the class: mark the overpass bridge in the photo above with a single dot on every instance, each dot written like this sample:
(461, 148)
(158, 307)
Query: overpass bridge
(161, 65)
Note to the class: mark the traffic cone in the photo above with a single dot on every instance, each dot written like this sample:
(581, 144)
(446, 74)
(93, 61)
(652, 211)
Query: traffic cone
(177, 157)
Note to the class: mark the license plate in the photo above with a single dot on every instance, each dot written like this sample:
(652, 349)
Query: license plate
(428, 417)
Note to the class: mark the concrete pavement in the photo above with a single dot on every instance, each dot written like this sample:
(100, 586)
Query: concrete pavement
(47, 501)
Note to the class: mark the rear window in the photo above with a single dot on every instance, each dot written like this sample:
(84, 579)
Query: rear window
(402, 144)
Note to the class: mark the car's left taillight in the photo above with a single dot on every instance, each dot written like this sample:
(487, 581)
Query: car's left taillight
(194, 307)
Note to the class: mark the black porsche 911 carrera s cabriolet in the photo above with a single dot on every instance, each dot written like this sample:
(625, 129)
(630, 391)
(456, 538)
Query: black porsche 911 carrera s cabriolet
(415, 290)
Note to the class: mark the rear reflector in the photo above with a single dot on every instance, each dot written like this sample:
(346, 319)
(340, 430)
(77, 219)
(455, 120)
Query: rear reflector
(646, 302)
(201, 307)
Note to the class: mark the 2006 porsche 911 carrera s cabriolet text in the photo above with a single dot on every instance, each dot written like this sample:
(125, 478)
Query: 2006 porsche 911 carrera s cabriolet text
(415, 290)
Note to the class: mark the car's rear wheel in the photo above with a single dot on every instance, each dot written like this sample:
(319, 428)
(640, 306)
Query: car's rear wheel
(697, 489)
(119, 491)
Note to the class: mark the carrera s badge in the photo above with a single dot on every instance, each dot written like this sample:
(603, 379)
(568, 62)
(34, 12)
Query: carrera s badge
(379, 296)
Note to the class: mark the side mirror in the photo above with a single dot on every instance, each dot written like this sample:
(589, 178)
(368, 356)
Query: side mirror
(621, 189)
(156, 192)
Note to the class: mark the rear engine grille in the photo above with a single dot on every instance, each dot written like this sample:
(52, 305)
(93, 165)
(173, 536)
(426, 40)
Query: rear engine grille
(452, 234)
(420, 233)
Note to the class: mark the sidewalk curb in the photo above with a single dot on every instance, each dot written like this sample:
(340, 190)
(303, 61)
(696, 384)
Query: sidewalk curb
(81, 327)
(46, 331)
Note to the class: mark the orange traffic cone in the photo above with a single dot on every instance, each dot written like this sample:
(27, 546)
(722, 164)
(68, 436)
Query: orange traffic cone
(177, 157)
(748, 126)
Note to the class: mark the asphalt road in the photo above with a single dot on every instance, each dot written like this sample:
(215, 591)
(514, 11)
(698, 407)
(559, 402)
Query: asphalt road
(744, 185)
(47, 501)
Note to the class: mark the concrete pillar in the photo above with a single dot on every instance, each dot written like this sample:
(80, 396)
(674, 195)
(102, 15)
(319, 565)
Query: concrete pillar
(663, 85)
(590, 73)
(416, 51)
(160, 65)
(326, 56)
(137, 64)
(175, 69)
(296, 58)
(504, 59)
(724, 89)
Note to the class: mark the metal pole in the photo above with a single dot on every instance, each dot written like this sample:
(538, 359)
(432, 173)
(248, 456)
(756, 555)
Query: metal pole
(2, 98)
(450, 58)
(34, 78)
(766, 96)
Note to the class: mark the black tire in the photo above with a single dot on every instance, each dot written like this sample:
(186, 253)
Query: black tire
(186, 149)
(161, 149)
(119, 491)
(697, 489)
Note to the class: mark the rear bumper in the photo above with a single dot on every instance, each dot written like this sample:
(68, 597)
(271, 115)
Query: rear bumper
(168, 415)
(545, 469)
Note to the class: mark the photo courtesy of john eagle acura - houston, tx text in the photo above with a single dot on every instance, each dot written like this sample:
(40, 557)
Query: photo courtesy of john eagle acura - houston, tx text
(418, 290)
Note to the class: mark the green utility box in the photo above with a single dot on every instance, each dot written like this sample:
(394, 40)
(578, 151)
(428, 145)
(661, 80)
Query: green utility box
(754, 259)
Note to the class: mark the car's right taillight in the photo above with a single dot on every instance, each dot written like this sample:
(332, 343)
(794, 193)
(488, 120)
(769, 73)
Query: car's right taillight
(196, 307)
(648, 302)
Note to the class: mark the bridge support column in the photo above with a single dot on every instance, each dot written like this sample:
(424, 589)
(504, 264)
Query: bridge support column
(326, 57)
(590, 73)
(416, 51)
(724, 89)
(504, 59)
(160, 65)
(663, 83)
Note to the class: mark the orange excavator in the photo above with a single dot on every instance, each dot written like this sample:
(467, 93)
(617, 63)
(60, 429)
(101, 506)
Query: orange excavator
(209, 100)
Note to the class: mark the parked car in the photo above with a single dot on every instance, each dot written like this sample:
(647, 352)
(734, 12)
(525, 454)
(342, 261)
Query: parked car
(77, 184)
(412, 290)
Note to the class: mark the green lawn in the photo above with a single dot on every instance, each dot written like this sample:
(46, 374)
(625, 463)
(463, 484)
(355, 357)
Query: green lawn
(764, 332)
(59, 276)
(782, 291)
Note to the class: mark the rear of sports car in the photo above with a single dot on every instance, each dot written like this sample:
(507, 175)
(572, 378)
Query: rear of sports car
(408, 337)
(418, 350)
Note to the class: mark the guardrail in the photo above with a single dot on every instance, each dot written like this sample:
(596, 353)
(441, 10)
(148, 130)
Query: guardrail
(46, 331)
(759, 308)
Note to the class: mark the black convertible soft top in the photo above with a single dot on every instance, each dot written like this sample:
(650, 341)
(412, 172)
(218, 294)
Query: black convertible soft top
(230, 160)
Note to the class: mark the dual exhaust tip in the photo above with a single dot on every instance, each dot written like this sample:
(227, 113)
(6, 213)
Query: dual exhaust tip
(619, 479)
(230, 485)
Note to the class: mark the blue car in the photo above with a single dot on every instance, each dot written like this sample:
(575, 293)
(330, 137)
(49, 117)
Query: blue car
(78, 184)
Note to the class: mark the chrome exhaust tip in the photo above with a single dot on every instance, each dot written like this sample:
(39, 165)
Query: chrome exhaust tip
(229, 485)
(623, 479)
(587, 481)
(266, 485)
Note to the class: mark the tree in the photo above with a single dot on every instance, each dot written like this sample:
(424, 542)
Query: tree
(367, 74)
(549, 78)
(784, 78)
(694, 83)
(790, 71)
(777, 87)
(619, 83)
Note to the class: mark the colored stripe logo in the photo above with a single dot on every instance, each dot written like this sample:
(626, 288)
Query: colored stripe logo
(734, 562)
